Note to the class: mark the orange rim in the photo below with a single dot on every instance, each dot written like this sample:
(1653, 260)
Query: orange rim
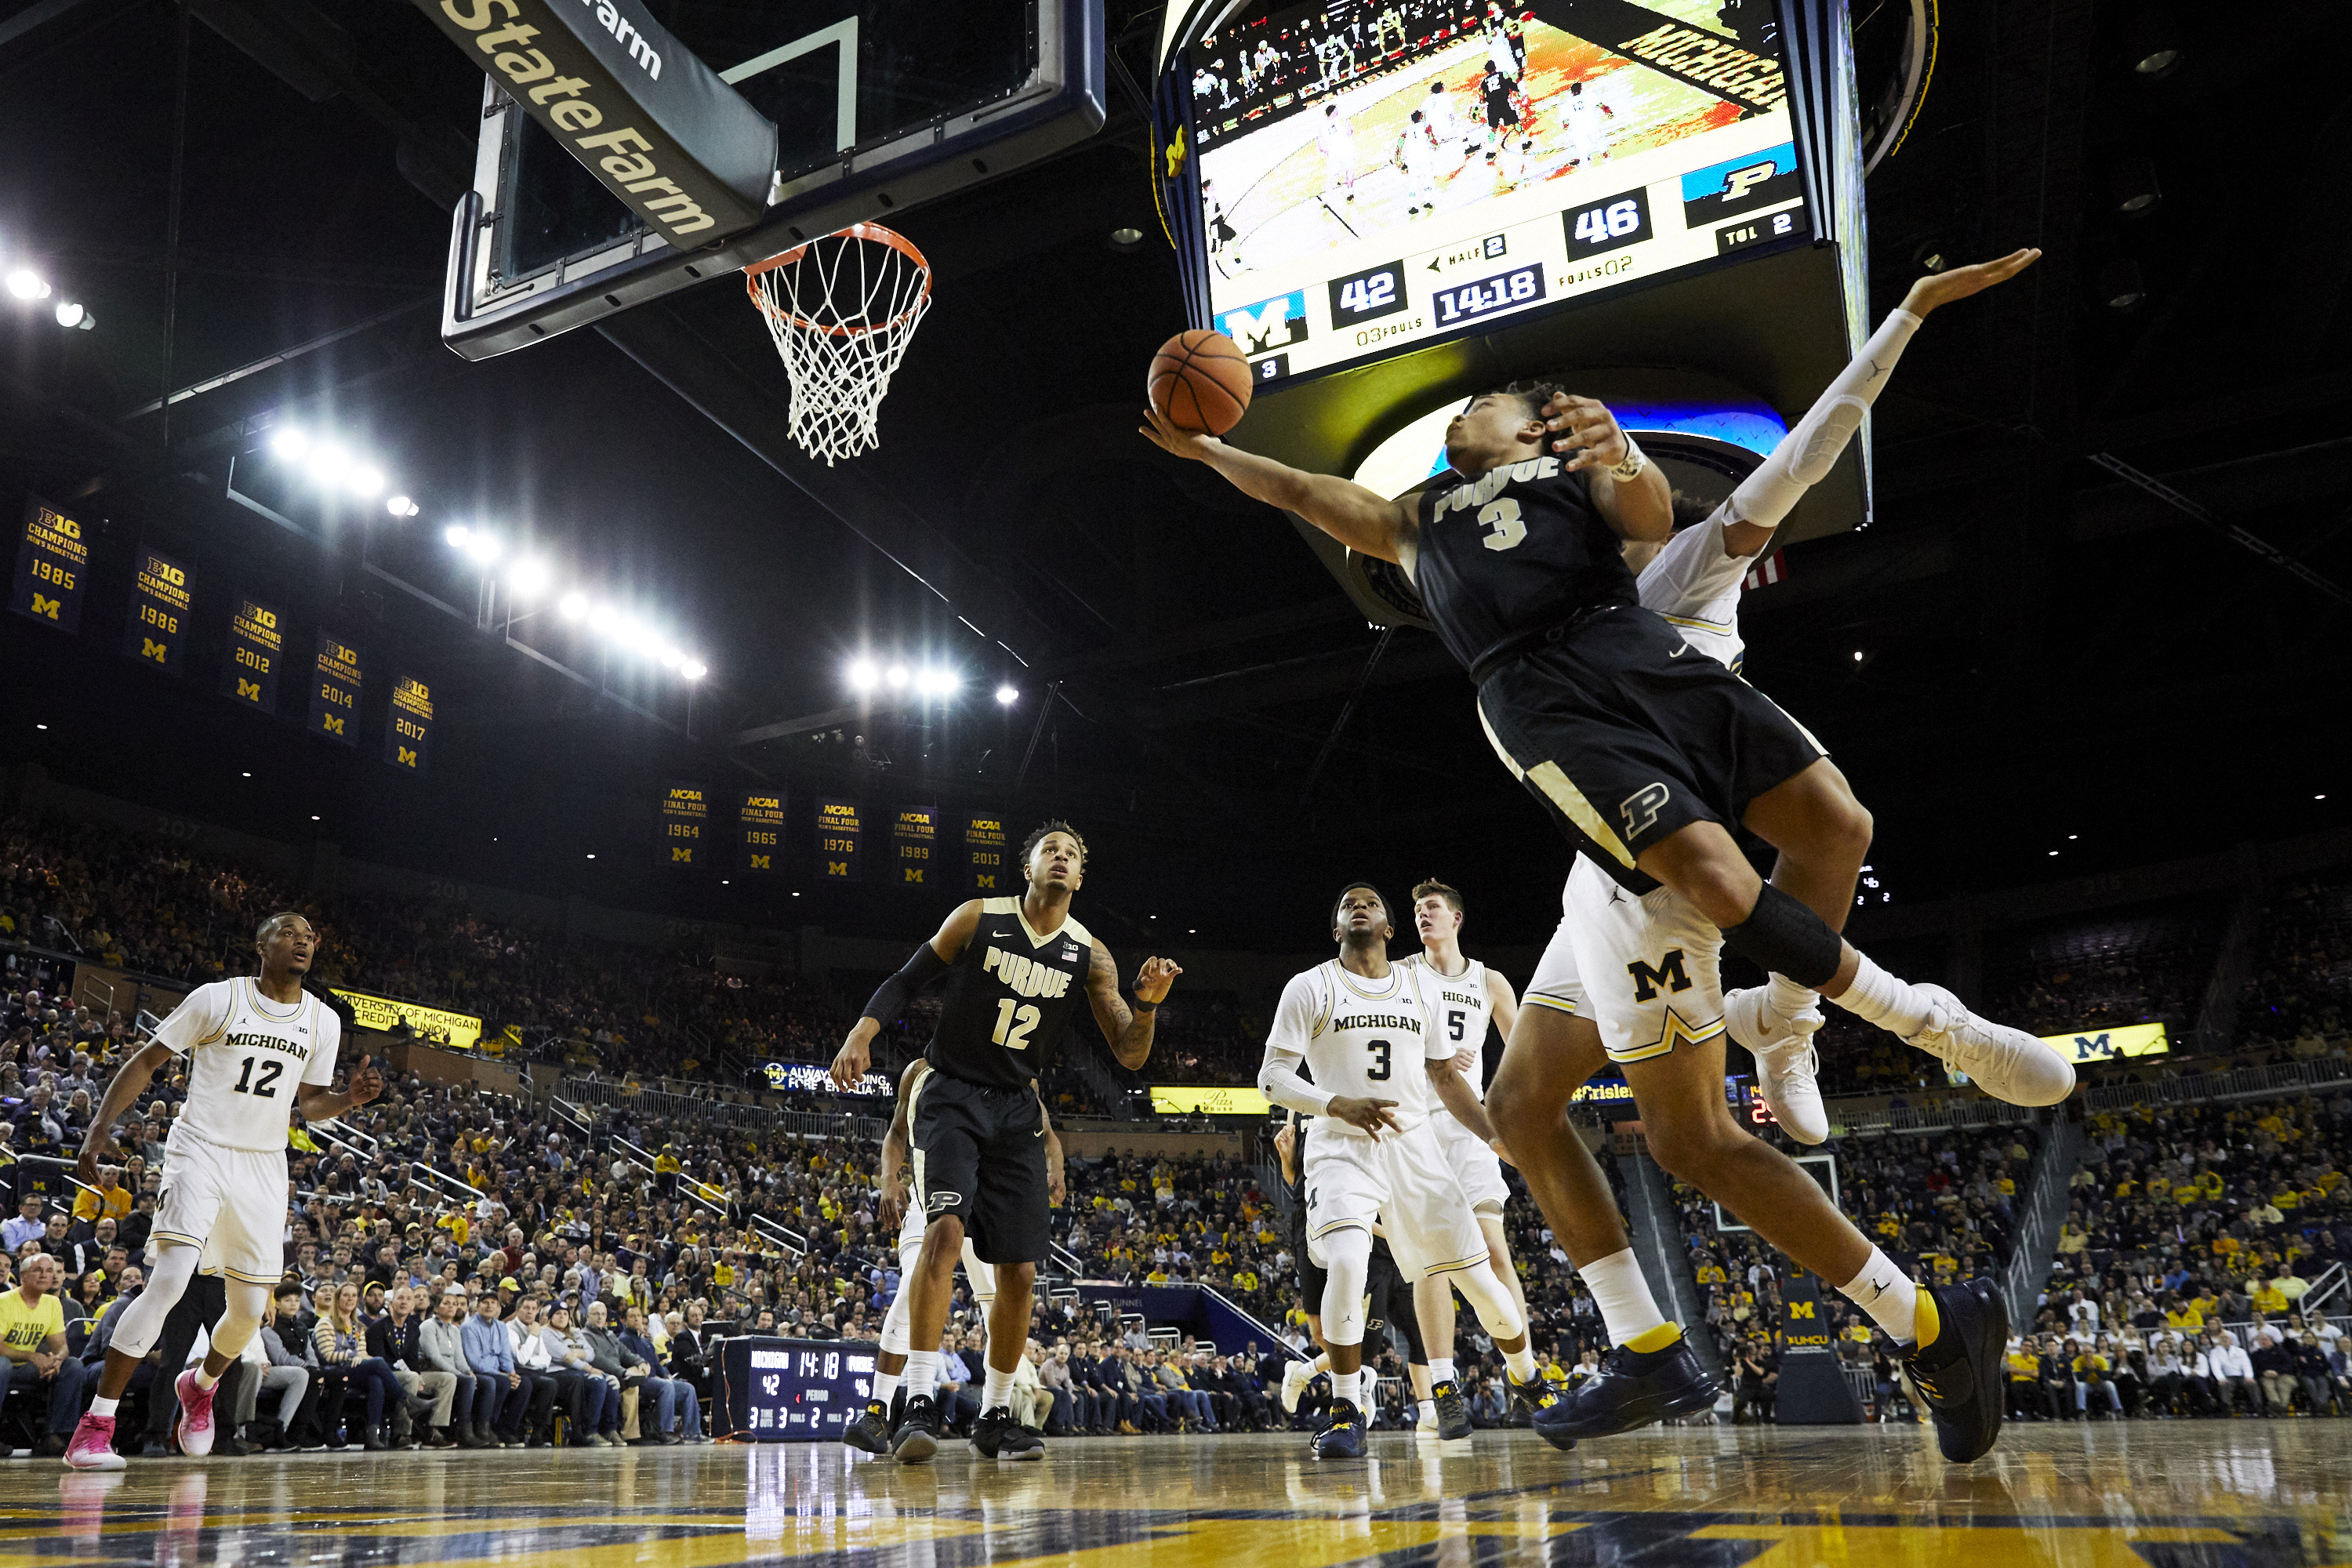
(867, 231)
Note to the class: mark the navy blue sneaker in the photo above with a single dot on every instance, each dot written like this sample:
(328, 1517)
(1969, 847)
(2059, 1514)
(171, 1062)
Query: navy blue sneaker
(1635, 1389)
(870, 1433)
(1531, 1400)
(1959, 1374)
(1342, 1436)
(1453, 1412)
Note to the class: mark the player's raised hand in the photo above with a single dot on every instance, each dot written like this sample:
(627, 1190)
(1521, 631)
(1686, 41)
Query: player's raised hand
(96, 1145)
(1586, 430)
(1152, 980)
(890, 1202)
(1286, 1139)
(1371, 1115)
(855, 1057)
(1167, 436)
(1959, 282)
(367, 1082)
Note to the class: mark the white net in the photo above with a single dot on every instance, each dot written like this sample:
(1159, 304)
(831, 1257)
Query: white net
(842, 311)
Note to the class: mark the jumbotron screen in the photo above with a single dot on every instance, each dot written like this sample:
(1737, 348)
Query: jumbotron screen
(1375, 174)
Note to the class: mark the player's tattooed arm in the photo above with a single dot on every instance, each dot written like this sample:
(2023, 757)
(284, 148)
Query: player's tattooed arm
(1128, 1029)
(1364, 520)
(130, 1080)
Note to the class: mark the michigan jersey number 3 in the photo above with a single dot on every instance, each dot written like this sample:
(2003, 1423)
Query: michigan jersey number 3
(1013, 1028)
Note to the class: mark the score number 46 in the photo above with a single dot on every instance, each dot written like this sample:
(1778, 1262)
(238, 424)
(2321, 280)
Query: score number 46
(1599, 225)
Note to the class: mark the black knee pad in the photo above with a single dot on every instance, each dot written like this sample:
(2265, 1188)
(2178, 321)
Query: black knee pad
(1786, 938)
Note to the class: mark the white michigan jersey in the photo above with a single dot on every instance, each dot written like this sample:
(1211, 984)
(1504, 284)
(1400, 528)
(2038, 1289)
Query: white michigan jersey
(247, 1055)
(1695, 587)
(1365, 1039)
(1460, 1009)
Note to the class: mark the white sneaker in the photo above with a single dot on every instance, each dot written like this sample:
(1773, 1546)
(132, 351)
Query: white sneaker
(2008, 1064)
(1787, 1065)
(1295, 1379)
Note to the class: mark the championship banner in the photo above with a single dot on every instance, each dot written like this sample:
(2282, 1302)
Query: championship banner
(758, 831)
(2106, 1045)
(408, 728)
(458, 1031)
(914, 845)
(840, 841)
(684, 826)
(249, 673)
(156, 634)
(52, 558)
(335, 681)
(985, 872)
(805, 1078)
(1184, 1098)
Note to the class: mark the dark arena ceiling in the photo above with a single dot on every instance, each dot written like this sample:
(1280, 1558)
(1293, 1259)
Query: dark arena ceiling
(2026, 652)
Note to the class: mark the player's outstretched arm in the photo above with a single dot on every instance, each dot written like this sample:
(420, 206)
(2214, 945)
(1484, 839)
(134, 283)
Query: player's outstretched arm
(1057, 1190)
(1590, 439)
(130, 1081)
(320, 1102)
(929, 961)
(1454, 1093)
(1128, 1029)
(1364, 520)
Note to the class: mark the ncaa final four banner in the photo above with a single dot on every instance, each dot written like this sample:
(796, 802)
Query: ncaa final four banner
(156, 634)
(984, 869)
(915, 843)
(408, 728)
(758, 831)
(249, 673)
(683, 824)
(335, 683)
(840, 840)
(52, 558)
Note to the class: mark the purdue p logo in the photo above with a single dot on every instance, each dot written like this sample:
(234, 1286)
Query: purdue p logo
(1669, 976)
(1641, 808)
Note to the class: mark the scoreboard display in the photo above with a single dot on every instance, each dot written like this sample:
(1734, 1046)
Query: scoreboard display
(1375, 177)
(788, 1391)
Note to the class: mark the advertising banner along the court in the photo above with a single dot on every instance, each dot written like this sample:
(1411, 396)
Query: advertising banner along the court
(52, 558)
(157, 632)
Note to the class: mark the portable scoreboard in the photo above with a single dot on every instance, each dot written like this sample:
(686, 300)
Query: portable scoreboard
(1376, 177)
(792, 1391)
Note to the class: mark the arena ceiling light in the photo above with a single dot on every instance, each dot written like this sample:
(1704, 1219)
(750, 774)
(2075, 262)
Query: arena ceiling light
(1008, 695)
(573, 607)
(74, 313)
(401, 506)
(863, 675)
(529, 577)
(27, 284)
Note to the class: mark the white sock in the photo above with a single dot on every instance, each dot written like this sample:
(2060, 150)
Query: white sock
(1887, 1294)
(1428, 1408)
(1788, 998)
(205, 1379)
(1622, 1293)
(1878, 997)
(1347, 1385)
(1522, 1362)
(996, 1389)
(103, 1406)
(886, 1383)
(1440, 1369)
(922, 1373)
(1319, 1365)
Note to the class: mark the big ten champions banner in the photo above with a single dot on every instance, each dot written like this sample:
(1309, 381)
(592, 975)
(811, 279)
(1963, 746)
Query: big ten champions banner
(840, 840)
(408, 728)
(915, 845)
(249, 672)
(986, 872)
(157, 634)
(758, 831)
(52, 559)
(335, 683)
(682, 825)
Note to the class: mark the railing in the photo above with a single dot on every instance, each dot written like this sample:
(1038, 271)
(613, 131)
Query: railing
(2045, 1206)
(2323, 1289)
(2241, 1083)
(1952, 1112)
(655, 1103)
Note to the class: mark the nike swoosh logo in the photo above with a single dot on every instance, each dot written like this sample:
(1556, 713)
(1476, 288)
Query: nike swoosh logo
(1039, 1133)
(1680, 651)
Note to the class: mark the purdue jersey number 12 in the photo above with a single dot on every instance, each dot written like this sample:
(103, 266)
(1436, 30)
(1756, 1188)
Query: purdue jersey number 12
(1009, 997)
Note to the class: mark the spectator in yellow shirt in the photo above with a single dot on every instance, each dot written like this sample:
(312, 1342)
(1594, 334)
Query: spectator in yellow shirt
(33, 1333)
(111, 1201)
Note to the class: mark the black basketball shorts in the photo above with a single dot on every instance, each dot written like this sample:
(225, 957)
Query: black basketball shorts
(979, 1155)
(1628, 733)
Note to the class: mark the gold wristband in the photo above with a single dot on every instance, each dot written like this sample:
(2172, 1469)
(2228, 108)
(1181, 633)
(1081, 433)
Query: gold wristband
(1635, 461)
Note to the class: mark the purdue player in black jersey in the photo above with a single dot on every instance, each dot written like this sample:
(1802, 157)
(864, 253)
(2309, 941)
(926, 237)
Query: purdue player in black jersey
(1647, 760)
(978, 1129)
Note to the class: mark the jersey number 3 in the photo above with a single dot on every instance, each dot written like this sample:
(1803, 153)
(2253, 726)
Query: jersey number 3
(1013, 1028)
(1503, 517)
(270, 1073)
(1379, 1071)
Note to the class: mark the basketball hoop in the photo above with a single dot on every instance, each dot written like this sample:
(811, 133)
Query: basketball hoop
(842, 311)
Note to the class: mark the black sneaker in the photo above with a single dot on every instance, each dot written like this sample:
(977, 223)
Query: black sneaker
(870, 1433)
(1342, 1436)
(996, 1436)
(1453, 1412)
(1959, 1374)
(1635, 1389)
(1530, 1400)
(917, 1437)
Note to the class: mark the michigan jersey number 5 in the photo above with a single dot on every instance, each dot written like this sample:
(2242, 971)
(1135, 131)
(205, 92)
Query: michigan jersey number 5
(1503, 517)
(1013, 1028)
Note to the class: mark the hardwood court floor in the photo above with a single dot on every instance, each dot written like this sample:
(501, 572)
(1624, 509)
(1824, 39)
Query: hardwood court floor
(2237, 1494)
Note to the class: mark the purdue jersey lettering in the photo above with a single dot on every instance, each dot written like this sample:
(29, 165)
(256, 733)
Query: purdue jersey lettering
(1009, 997)
(1515, 550)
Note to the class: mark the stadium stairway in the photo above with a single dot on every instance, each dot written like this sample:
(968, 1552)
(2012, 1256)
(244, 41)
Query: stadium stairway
(1657, 1235)
(2041, 1208)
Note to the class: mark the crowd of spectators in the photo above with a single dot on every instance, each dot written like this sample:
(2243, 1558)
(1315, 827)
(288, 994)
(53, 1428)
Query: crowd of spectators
(2297, 1000)
(2076, 977)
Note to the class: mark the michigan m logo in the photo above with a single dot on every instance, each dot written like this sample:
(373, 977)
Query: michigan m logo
(404, 757)
(837, 869)
(681, 854)
(914, 874)
(760, 863)
(1669, 976)
(248, 691)
(150, 649)
(1800, 1309)
(331, 723)
(45, 606)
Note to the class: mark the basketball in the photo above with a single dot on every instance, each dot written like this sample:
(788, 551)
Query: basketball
(1201, 381)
